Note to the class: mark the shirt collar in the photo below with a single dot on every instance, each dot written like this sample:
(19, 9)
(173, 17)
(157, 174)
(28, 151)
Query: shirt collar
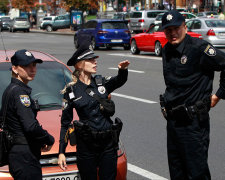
(20, 83)
(180, 46)
(84, 86)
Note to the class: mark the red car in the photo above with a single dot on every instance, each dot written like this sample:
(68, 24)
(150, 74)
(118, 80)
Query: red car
(152, 41)
(51, 77)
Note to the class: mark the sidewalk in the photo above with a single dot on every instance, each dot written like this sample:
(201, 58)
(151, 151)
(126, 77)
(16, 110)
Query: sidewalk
(59, 31)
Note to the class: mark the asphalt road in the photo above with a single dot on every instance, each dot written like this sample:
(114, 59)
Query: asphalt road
(144, 132)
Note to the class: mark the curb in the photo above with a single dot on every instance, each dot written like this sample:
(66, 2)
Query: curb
(53, 32)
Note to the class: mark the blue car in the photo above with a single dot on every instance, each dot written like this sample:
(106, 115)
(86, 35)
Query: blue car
(104, 33)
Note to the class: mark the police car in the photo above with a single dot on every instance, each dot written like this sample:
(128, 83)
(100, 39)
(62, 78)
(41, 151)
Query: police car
(51, 77)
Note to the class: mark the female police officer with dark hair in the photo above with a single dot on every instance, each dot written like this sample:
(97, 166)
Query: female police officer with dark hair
(29, 138)
(96, 147)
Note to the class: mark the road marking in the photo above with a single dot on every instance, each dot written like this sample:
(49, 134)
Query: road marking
(137, 56)
(134, 98)
(130, 70)
(144, 173)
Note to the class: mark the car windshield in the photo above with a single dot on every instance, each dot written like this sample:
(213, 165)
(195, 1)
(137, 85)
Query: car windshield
(215, 23)
(136, 15)
(155, 28)
(5, 18)
(50, 79)
(159, 17)
(209, 13)
(114, 25)
(21, 19)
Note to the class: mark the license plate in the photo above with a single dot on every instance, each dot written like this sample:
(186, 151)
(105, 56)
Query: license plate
(63, 177)
(116, 40)
(222, 34)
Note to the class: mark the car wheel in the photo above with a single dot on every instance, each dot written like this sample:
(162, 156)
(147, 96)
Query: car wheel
(158, 48)
(93, 44)
(126, 46)
(134, 49)
(49, 28)
(76, 42)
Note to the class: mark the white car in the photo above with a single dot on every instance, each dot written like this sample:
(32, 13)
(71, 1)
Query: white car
(187, 16)
(47, 18)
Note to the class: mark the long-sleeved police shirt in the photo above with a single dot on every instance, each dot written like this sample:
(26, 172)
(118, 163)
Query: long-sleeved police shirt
(87, 107)
(189, 71)
(21, 117)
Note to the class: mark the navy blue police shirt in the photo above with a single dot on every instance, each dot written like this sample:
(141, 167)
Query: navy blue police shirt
(21, 117)
(189, 71)
(87, 107)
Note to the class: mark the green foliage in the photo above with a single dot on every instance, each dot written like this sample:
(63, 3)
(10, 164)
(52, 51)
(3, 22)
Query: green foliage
(4, 6)
(90, 17)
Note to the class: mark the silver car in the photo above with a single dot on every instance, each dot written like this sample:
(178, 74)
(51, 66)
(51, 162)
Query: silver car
(212, 30)
(142, 20)
(20, 24)
(187, 16)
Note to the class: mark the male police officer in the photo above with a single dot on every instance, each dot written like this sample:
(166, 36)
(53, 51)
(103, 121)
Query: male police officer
(188, 67)
(29, 137)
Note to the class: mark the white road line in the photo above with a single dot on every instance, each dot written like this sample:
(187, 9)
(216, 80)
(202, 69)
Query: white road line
(130, 70)
(144, 172)
(137, 56)
(133, 98)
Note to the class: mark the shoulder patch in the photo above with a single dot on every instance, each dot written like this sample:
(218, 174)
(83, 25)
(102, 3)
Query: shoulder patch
(25, 100)
(210, 51)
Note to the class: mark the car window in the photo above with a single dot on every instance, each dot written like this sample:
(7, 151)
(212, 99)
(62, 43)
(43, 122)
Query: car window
(159, 17)
(46, 86)
(136, 15)
(189, 24)
(209, 13)
(21, 19)
(196, 25)
(47, 19)
(215, 23)
(152, 14)
(200, 14)
(114, 25)
(190, 16)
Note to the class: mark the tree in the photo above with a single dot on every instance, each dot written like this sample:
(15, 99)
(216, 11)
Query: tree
(24, 5)
(4, 6)
(82, 5)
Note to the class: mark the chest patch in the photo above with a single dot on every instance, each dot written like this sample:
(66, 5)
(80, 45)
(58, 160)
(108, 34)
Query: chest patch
(210, 51)
(183, 59)
(101, 89)
(25, 100)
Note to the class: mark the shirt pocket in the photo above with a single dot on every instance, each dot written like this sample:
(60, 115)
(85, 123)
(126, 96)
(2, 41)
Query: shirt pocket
(185, 69)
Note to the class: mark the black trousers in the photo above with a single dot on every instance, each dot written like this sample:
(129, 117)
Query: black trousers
(23, 165)
(187, 148)
(95, 161)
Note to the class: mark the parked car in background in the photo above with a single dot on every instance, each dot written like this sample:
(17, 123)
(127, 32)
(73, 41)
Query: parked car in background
(208, 14)
(152, 41)
(19, 24)
(60, 22)
(46, 18)
(187, 16)
(52, 75)
(212, 30)
(104, 33)
(5, 22)
(142, 20)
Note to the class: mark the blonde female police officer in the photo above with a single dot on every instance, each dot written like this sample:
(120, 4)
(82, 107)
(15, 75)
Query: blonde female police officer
(188, 67)
(95, 145)
(29, 137)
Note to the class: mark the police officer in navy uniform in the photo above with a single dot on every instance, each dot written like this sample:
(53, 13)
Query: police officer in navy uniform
(29, 136)
(96, 148)
(188, 68)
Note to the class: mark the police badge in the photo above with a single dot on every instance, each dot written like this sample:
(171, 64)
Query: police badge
(183, 59)
(101, 89)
